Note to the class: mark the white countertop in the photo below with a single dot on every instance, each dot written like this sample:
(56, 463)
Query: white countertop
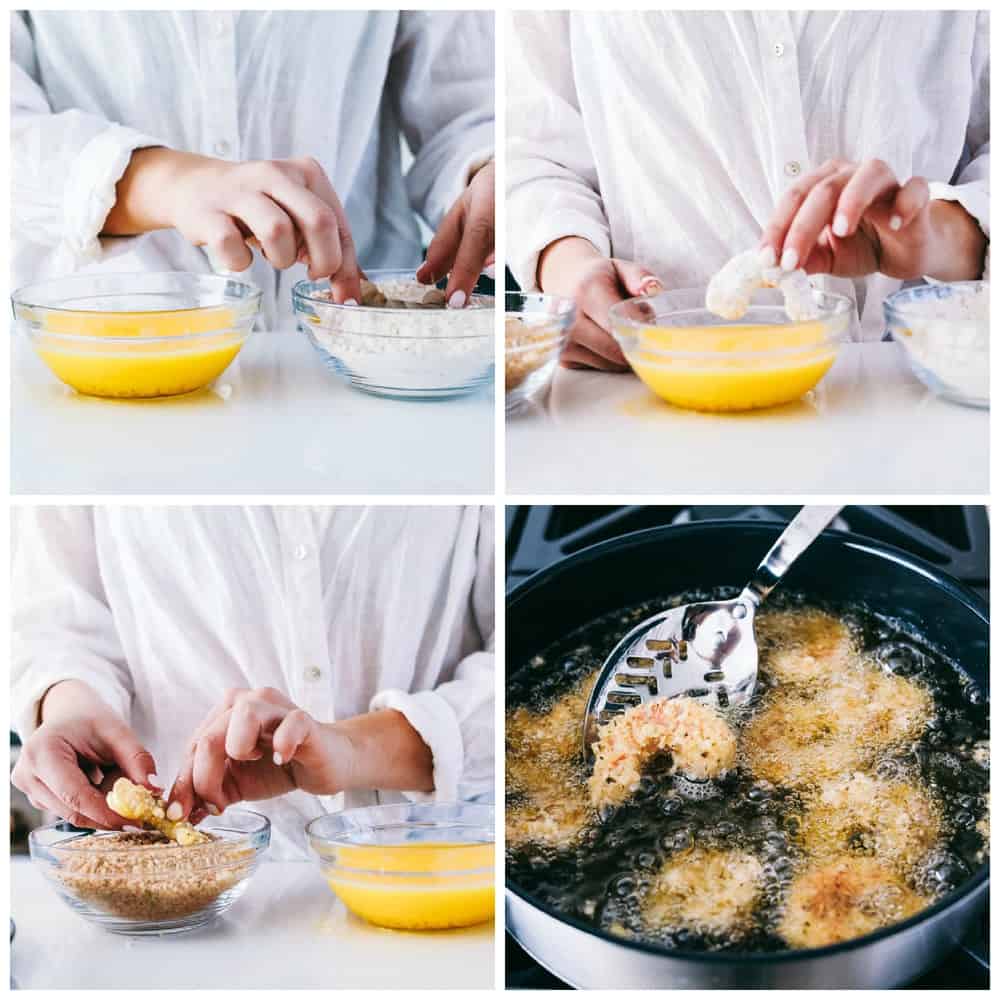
(869, 427)
(287, 930)
(277, 421)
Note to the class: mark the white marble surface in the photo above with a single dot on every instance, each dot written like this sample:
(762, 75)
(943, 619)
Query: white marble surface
(869, 427)
(277, 421)
(286, 931)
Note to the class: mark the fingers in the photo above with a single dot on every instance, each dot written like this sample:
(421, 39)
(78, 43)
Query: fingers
(637, 280)
(911, 199)
(76, 799)
(132, 758)
(587, 334)
(317, 223)
(873, 181)
(443, 247)
(814, 215)
(226, 245)
(790, 203)
(208, 768)
(271, 225)
(294, 729)
(250, 720)
(576, 356)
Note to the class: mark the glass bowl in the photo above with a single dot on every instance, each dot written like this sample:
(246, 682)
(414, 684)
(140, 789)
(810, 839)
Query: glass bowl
(137, 336)
(152, 888)
(414, 866)
(536, 330)
(696, 360)
(400, 353)
(944, 329)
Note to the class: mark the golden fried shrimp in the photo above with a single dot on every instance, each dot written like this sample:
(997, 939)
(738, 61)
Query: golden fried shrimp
(889, 708)
(544, 762)
(699, 740)
(894, 821)
(843, 899)
(707, 891)
(796, 740)
(805, 646)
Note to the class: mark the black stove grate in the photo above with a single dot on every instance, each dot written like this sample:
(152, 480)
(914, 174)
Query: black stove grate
(954, 538)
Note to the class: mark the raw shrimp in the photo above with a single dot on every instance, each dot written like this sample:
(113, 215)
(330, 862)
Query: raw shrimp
(698, 739)
(730, 291)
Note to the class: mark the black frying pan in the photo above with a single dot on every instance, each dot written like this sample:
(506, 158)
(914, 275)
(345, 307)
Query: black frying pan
(839, 568)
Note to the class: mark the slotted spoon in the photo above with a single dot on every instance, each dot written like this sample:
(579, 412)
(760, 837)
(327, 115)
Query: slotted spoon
(706, 651)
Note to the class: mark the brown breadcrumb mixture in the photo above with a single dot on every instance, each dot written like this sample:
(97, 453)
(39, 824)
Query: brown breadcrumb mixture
(528, 348)
(146, 876)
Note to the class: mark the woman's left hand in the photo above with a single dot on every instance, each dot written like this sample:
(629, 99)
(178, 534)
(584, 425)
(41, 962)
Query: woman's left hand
(853, 219)
(256, 745)
(464, 242)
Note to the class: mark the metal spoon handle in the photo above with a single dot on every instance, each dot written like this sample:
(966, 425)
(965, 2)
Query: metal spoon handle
(801, 532)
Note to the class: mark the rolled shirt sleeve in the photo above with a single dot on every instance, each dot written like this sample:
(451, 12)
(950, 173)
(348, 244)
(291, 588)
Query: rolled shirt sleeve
(62, 626)
(455, 719)
(552, 185)
(65, 165)
(442, 85)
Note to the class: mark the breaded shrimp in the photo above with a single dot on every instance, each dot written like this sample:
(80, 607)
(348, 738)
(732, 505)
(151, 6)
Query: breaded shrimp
(894, 821)
(699, 740)
(141, 806)
(731, 289)
(844, 899)
(707, 891)
(804, 647)
(891, 709)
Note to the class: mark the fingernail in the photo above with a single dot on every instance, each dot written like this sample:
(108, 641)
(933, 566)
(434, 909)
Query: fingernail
(278, 759)
(651, 286)
(214, 810)
(174, 811)
(767, 257)
(350, 302)
(457, 300)
(895, 223)
(490, 271)
(840, 224)
(789, 259)
(154, 779)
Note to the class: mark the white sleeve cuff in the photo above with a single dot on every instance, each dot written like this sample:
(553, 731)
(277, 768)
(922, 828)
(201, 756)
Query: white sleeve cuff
(29, 689)
(435, 722)
(90, 188)
(525, 248)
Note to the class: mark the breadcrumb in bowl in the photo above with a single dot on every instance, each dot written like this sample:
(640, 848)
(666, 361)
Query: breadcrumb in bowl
(700, 743)
(145, 883)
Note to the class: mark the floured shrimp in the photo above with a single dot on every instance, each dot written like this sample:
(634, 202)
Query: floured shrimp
(699, 741)
(894, 821)
(544, 765)
(843, 899)
(731, 290)
(805, 646)
(708, 891)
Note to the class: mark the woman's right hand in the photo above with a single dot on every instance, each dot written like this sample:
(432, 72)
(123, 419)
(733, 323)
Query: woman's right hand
(287, 207)
(573, 267)
(75, 756)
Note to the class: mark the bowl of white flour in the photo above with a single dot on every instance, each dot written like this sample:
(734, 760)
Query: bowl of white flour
(945, 331)
(401, 341)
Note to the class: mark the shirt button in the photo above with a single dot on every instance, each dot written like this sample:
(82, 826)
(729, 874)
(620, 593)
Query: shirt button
(793, 168)
(313, 673)
(300, 552)
(779, 49)
(221, 148)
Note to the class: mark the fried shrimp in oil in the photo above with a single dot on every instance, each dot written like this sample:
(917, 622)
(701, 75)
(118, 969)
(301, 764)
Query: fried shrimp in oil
(893, 821)
(843, 899)
(804, 646)
(699, 741)
(710, 892)
(544, 771)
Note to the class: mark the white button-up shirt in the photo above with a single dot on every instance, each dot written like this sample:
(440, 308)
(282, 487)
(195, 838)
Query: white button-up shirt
(161, 609)
(668, 137)
(87, 88)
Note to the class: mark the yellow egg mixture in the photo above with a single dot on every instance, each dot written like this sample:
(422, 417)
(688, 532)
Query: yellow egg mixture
(728, 374)
(138, 370)
(416, 886)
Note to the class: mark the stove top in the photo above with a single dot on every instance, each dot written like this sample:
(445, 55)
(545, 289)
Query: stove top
(953, 538)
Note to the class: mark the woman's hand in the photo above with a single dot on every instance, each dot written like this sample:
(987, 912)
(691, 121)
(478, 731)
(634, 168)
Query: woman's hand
(853, 219)
(574, 268)
(75, 756)
(287, 207)
(464, 242)
(258, 744)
